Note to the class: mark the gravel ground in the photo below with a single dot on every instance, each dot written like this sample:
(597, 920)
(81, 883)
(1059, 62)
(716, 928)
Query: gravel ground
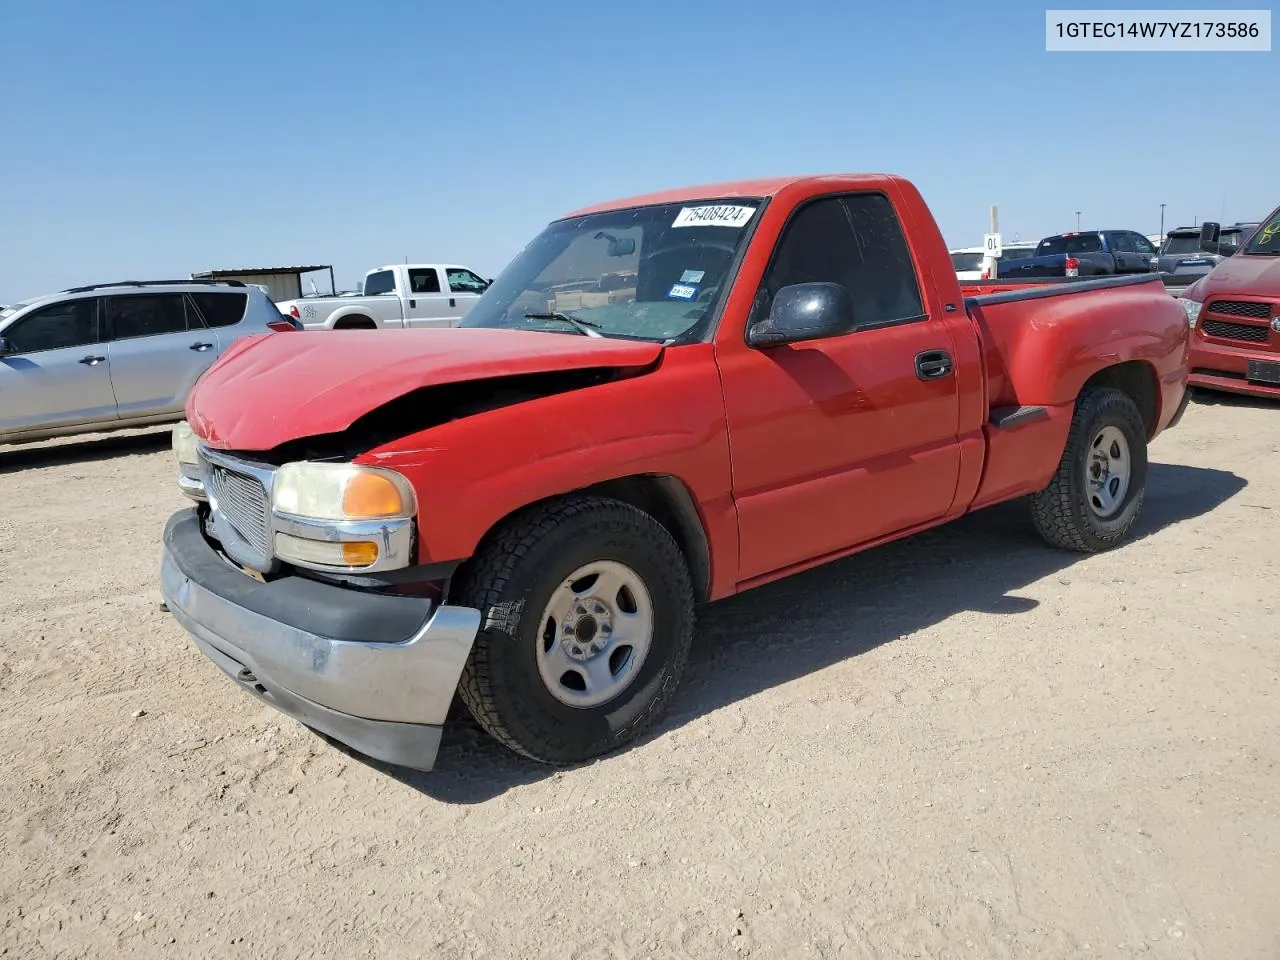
(962, 745)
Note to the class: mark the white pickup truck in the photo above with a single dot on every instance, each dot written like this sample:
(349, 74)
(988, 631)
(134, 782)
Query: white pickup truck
(401, 295)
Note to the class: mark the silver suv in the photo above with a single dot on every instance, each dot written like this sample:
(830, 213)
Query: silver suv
(118, 355)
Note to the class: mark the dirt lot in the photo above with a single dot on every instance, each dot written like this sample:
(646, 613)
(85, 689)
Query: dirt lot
(963, 745)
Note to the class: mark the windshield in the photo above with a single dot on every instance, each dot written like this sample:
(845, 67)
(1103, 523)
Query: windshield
(966, 261)
(645, 273)
(1184, 243)
(1266, 241)
(1076, 243)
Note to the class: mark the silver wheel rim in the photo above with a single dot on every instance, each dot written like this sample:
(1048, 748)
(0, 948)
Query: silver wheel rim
(1107, 471)
(596, 632)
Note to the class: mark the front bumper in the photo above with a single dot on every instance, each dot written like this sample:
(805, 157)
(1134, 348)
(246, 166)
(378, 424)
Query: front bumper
(1223, 367)
(375, 672)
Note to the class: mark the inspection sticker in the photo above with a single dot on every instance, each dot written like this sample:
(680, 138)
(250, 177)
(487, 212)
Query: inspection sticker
(717, 215)
(692, 276)
(682, 291)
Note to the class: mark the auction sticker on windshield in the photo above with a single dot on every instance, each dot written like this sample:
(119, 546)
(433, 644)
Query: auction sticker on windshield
(718, 215)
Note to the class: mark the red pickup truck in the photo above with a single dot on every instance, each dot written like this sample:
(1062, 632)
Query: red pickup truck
(661, 401)
(1234, 311)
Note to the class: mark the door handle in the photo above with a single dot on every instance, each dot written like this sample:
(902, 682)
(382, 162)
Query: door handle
(92, 361)
(201, 346)
(933, 364)
(412, 304)
(452, 303)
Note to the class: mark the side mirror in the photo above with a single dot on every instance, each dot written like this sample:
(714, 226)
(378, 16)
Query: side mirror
(1210, 234)
(4, 346)
(804, 311)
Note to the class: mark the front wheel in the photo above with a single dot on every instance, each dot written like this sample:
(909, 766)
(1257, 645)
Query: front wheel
(588, 613)
(1094, 498)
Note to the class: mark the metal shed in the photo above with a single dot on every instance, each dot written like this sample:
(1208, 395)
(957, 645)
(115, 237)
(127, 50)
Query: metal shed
(282, 283)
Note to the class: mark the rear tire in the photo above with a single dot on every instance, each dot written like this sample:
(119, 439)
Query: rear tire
(562, 669)
(1096, 495)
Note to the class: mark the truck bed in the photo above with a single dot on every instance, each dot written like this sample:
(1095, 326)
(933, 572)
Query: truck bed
(1031, 332)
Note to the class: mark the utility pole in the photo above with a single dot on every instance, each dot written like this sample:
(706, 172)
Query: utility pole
(1077, 221)
(1162, 219)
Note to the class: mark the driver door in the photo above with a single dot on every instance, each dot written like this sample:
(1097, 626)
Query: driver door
(840, 441)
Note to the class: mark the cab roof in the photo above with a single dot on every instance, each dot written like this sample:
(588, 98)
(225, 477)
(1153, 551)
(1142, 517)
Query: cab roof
(765, 188)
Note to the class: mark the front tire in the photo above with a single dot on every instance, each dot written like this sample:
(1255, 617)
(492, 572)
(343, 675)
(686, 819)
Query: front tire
(1096, 495)
(587, 617)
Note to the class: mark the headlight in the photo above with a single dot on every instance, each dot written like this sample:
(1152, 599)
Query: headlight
(1193, 309)
(341, 491)
(184, 442)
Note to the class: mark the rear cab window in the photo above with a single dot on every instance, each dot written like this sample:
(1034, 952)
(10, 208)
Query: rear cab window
(375, 284)
(1069, 244)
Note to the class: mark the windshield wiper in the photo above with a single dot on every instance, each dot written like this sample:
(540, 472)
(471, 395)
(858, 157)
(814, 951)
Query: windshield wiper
(585, 327)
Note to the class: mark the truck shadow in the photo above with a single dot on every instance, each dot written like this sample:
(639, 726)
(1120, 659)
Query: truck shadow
(1212, 398)
(776, 633)
(53, 453)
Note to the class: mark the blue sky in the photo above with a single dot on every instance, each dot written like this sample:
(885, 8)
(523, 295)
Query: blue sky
(147, 139)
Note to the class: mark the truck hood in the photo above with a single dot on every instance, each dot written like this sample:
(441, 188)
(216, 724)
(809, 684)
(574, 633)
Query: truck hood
(266, 390)
(1251, 276)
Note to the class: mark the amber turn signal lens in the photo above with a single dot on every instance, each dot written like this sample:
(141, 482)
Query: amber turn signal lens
(371, 495)
(359, 554)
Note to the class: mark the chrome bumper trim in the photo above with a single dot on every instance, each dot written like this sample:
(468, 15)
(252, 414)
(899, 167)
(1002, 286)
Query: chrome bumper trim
(381, 698)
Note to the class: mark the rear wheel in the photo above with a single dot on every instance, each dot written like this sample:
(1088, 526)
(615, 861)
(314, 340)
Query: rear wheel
(1095, 497)
(588, 612)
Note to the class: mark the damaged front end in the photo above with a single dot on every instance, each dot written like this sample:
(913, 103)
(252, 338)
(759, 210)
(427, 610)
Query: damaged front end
(296, 570)
(298, 580)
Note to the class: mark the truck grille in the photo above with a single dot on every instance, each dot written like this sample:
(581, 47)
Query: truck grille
(1241, 308)
(1246, 333)
(242, 503)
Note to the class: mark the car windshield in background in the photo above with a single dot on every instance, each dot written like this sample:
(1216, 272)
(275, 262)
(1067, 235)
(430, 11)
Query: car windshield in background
(1266, 240)
(644, 273)
(1182, 243)
(1016, 253)
(966, 261)
(1076, 243)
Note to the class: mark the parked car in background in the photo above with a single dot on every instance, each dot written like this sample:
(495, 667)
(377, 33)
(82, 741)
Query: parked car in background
(1183, 259)
(972, 263)
(1234, 313)
(401, 295)
(1093, 254)
(526, 510)
(118, 355)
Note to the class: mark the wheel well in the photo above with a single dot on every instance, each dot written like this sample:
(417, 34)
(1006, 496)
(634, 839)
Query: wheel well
(667, 500)
(355, 322)
(1138, 380)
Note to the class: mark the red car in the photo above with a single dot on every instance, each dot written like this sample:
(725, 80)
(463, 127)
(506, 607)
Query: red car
(661, 401)
(1234, 312)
